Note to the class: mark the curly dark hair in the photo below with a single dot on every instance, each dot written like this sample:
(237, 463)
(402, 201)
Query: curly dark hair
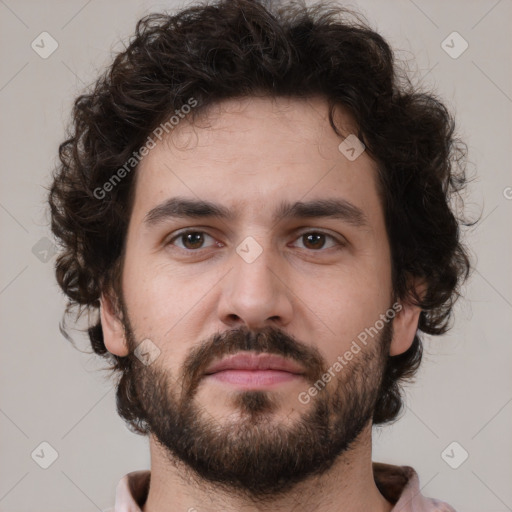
(236, 48)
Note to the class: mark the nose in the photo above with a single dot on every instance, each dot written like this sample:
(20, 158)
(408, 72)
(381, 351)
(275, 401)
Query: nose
(255, 294)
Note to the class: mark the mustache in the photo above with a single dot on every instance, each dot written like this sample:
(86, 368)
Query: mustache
(269, 340)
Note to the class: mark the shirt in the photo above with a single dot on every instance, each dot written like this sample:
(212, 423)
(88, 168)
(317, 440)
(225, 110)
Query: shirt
(398, 484)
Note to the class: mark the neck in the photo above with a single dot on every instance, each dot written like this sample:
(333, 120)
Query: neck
(348, 486)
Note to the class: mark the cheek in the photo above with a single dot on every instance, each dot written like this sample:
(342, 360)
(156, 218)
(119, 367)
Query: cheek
(148, 293)
(156, 298)
(167, 304)
(158, 306)
(347, 307)
(344, 303)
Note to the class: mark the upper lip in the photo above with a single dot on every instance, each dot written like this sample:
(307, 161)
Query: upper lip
(246, 361)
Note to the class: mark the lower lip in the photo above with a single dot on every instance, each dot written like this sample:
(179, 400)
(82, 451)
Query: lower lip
(254, 378)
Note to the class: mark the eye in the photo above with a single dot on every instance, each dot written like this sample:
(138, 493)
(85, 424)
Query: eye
(192, 239)
(315, 240)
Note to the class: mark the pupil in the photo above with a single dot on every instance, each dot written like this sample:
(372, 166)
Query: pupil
(198, 238)
(317, 235)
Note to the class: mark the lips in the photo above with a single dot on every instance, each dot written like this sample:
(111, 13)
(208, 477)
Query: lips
(254, 362)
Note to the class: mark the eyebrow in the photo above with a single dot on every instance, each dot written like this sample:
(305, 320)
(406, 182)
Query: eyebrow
(179, 207)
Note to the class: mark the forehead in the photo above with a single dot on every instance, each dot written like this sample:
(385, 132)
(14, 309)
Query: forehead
(250, 152)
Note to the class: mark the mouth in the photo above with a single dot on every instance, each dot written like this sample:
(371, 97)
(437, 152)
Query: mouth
(249, 370)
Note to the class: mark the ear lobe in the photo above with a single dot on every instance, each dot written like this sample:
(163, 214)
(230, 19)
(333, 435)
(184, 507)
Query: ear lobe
(405, 323)
(112, 327)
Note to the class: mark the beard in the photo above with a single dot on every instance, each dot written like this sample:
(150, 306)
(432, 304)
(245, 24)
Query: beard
(250, 453)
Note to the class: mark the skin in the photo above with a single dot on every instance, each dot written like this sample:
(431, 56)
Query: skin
(266, 150)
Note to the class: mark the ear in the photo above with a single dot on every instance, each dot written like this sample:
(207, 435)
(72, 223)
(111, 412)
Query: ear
(405, 323)
(112, 327)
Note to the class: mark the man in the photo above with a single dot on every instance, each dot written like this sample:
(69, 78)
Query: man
(258, 211)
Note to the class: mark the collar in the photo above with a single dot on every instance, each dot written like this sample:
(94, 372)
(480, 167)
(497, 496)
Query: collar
(398, 484)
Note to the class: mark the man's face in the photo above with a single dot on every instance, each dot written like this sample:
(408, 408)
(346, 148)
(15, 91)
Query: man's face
(307, 284)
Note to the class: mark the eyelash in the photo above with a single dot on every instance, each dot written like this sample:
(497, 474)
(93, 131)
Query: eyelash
(340, 243)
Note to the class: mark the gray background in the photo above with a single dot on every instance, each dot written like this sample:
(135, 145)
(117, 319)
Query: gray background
(50, 391)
